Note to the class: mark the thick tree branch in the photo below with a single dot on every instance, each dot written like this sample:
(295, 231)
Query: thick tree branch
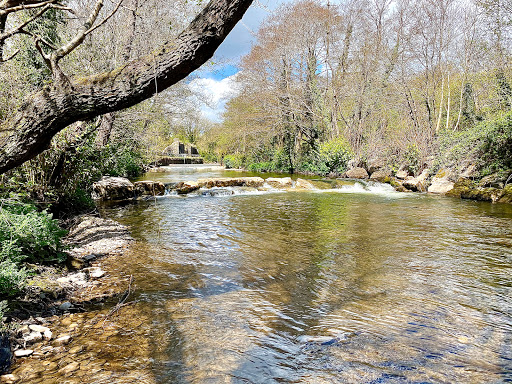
(50, 110)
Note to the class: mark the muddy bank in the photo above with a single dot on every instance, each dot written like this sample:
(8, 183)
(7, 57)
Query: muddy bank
(55, 294)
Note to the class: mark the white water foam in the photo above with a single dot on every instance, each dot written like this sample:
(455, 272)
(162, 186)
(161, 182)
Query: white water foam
(370, 188)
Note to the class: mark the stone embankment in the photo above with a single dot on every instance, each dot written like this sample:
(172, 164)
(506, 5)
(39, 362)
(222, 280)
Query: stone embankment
(464, 184)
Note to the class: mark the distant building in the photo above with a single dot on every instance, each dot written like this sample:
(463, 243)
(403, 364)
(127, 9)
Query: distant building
(178, 149)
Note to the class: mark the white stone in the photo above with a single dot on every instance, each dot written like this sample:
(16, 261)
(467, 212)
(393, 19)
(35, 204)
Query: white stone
(441, 186)
(47, 335)
(23, 352)
(38, 328)
(8, 379)
(402, 175)
(95, 272)
(63, 340)
(33, 337)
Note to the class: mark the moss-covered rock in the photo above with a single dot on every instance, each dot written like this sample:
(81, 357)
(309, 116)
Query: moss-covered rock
(506, 197)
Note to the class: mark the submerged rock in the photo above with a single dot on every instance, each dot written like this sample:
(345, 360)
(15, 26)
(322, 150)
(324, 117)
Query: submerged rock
(304, 184)
(357, 173)
(280, 182)
(62, 340)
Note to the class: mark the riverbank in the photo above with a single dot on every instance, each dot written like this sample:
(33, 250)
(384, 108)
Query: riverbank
(58, 293)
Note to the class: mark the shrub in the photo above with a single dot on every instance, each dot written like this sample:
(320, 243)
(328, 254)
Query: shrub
(412, 158)
(334, 155)
(25, 235)
(488, 144)
(234, 161)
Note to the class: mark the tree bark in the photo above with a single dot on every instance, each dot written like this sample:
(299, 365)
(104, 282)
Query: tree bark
(45, 113)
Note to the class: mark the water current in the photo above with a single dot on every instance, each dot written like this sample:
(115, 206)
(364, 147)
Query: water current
(356, 284)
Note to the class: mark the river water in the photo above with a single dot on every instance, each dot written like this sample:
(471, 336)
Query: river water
(347, 285)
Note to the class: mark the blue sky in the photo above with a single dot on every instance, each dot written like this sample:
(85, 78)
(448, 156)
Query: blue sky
(216, 80)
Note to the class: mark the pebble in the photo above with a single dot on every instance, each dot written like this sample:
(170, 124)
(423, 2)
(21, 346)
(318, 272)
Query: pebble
(47, 334)
(8, 379)
(75, 350)
(66, 306)
(33, 337)
(95, 272)
(63, 340)
(23, 352)
(72, 367)
(38, 328)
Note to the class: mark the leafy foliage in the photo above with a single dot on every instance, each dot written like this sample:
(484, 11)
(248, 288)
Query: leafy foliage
(26, 234)
(487, 144)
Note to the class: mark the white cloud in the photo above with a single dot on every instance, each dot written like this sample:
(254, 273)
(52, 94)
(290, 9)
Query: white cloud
(214, 94)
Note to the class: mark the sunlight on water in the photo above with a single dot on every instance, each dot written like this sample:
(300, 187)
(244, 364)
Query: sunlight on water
(350, 286)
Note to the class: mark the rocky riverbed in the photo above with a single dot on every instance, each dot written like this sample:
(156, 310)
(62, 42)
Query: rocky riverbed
(44, 322)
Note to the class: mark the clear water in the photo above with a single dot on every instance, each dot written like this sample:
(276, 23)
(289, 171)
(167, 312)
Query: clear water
(354, 285)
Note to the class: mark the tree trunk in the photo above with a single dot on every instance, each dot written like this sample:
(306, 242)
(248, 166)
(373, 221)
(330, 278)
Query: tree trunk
(50, 110)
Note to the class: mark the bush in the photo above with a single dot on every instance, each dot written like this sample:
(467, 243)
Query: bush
(488, 144)
(334, 155)
(25, 235)
(235, 161)
(412, 158)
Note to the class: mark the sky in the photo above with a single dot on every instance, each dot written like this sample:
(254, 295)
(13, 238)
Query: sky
(216, 81)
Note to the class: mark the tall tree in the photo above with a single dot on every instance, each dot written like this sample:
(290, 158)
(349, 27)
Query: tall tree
(66, 100)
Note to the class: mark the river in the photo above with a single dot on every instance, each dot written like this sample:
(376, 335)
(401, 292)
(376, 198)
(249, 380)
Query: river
(347, 285)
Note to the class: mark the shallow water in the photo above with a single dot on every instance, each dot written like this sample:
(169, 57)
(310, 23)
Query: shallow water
(353, 285)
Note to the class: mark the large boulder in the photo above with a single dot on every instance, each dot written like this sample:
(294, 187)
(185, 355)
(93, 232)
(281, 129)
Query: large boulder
(113, 188)
(186, 187)
(280, 182)
(381, 176)
(441, 183)
(506, 196)
(357, 173)
(375, 165)
(149, 188)
(496, 180)
(417, 184)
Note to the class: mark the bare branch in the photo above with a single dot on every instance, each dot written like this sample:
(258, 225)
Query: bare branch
(80, 37)
(10, 57)
(19, 28)
(45, 57)
(22, 7)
